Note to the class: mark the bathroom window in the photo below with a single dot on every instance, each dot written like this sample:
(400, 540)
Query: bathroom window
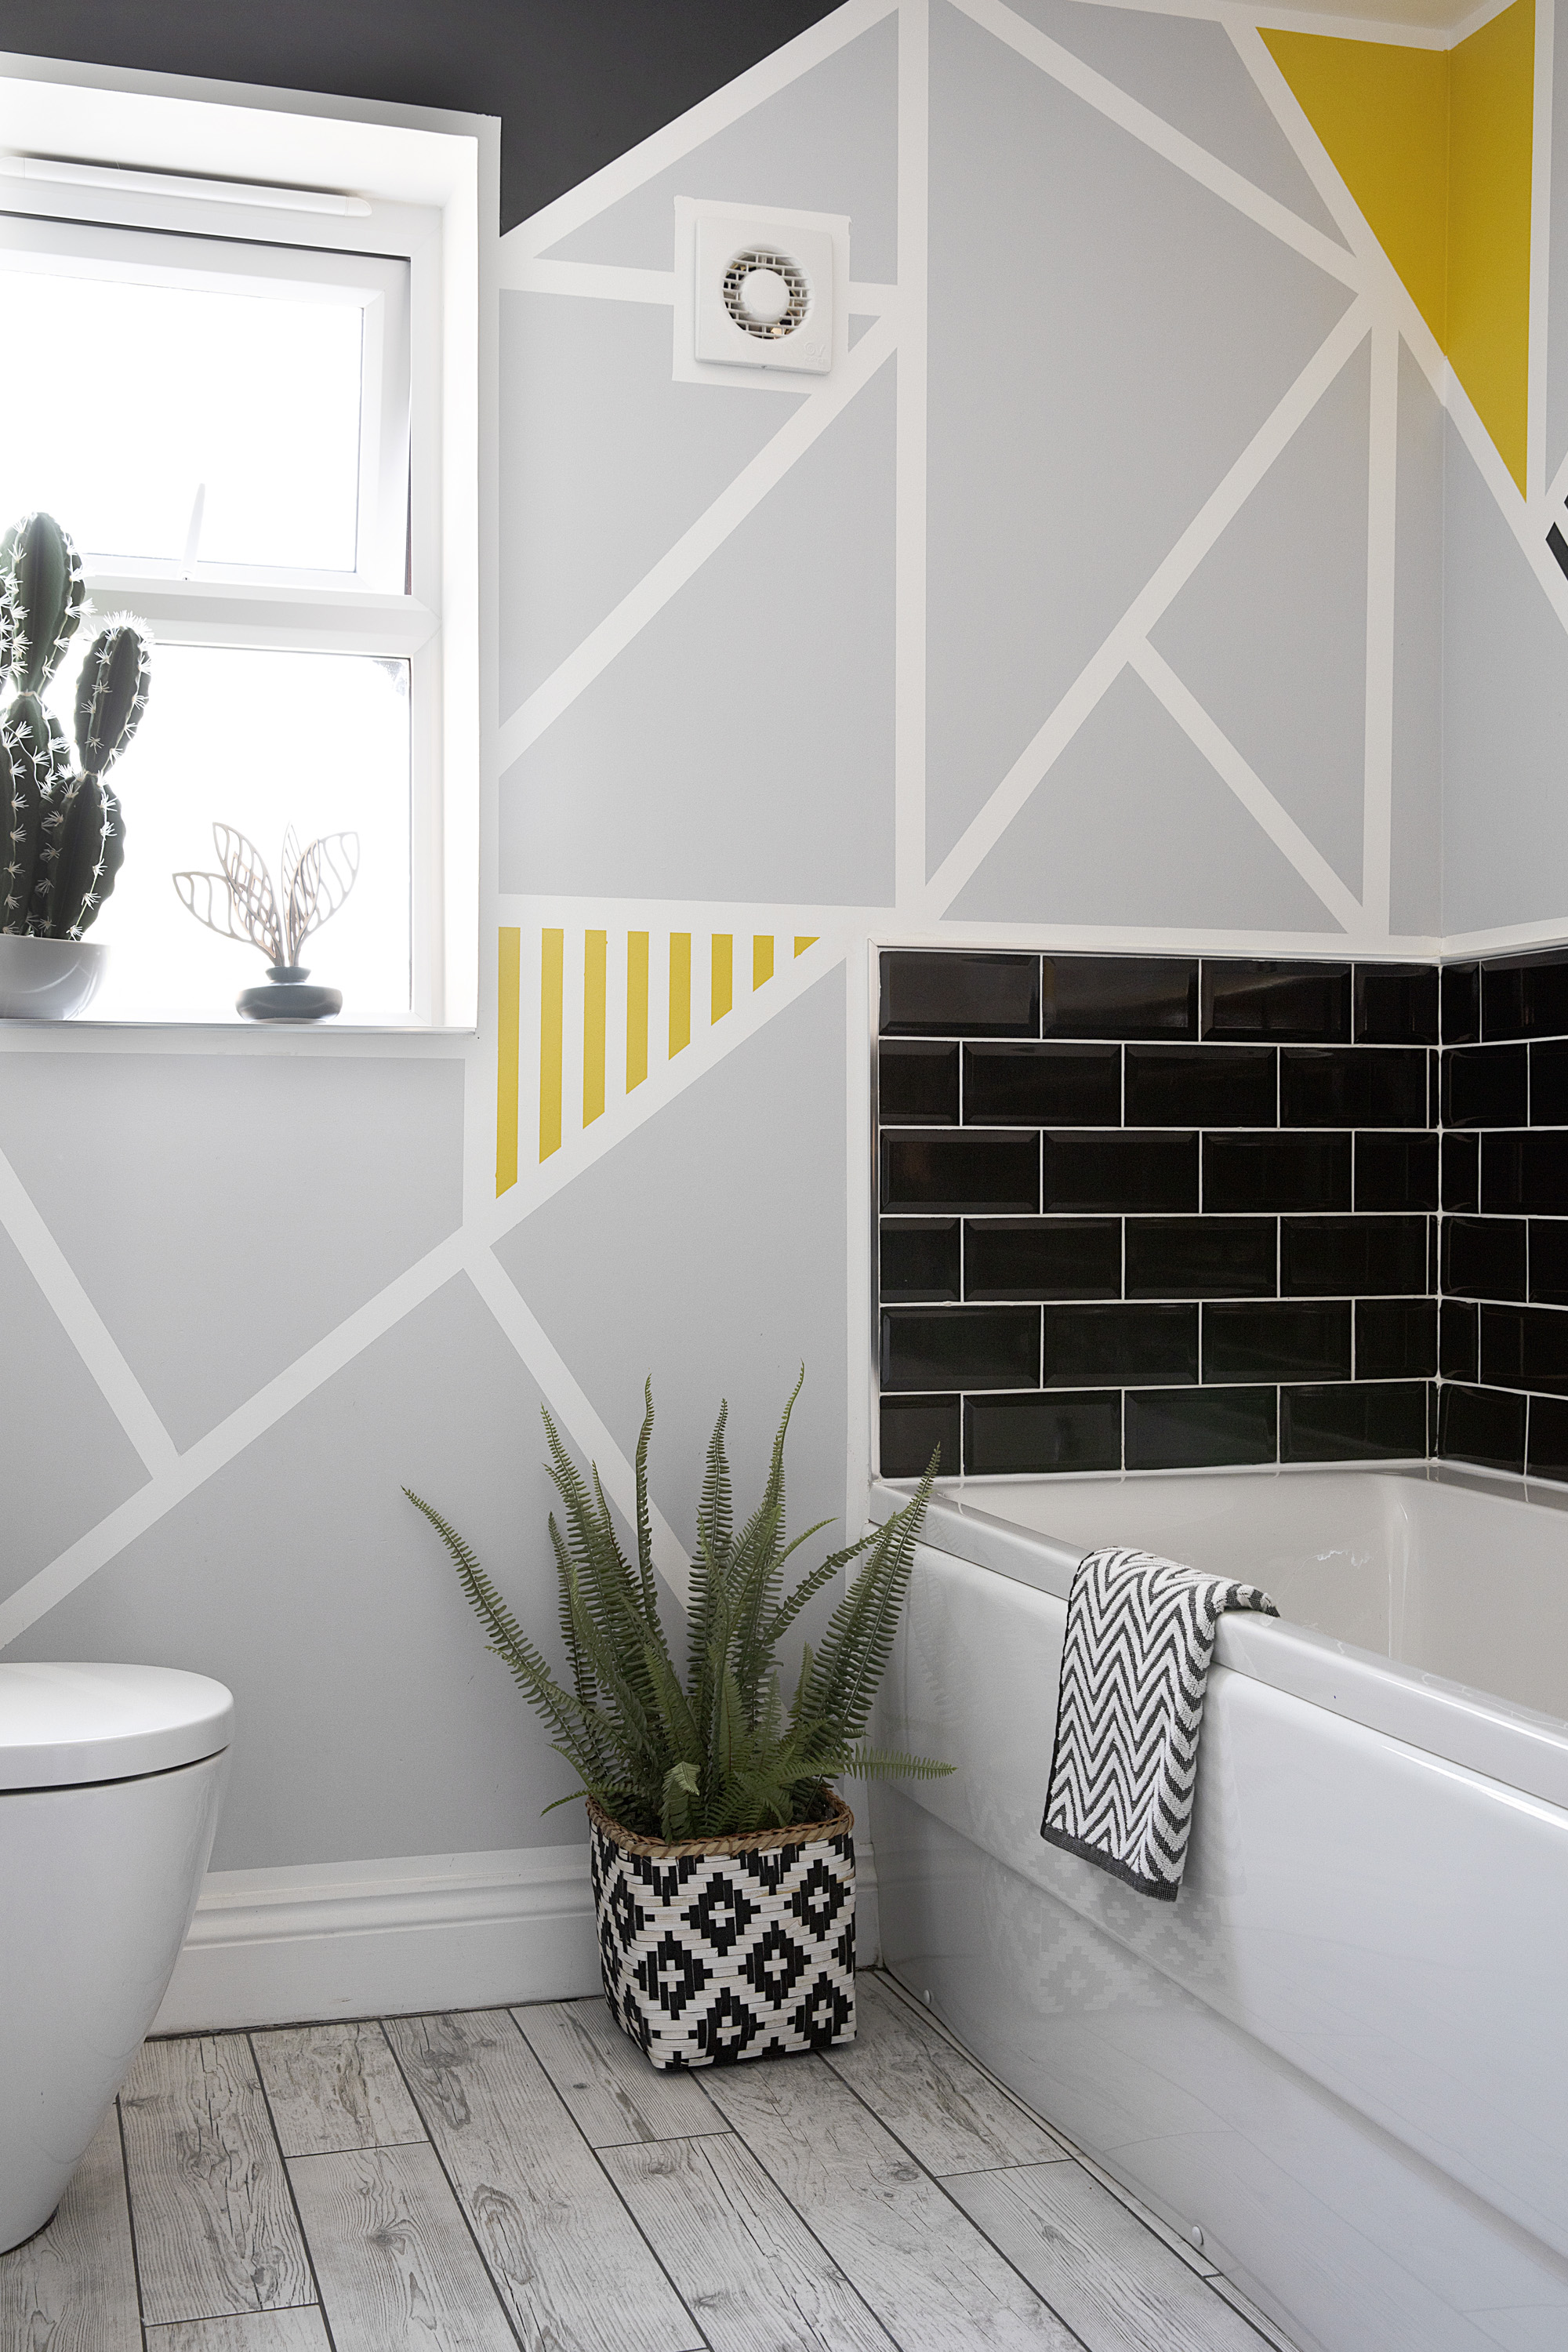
(250, 406)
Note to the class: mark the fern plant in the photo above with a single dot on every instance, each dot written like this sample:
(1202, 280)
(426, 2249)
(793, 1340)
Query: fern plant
(718, 1752)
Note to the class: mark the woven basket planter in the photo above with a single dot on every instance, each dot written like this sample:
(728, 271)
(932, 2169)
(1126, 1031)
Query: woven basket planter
(715, 1950)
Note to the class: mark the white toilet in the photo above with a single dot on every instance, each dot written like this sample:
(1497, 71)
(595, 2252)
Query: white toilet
(111, 1779)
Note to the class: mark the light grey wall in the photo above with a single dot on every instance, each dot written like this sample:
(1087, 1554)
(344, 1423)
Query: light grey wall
(1270, 631)
(1505, 808)
(1417, 896)
(709, 1251)
(225, 1215)
(742, 746)
(1131, 820)
(1106, 335)
(1188, 73)
(828, 142)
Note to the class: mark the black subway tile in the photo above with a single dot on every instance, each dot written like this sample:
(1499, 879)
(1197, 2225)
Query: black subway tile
(1269, 999)
(1043, 1257)
(1396, 1171)
(1120, 996)
(936, 992)
(1355, 1257)
(1042, 1085)
(1483, 1258)
(1276, 1171)
(1353, 1086)
(961, 1348)
(1528, 1173)
(1042, 1434)
(1461, 1171)
(920, 1261)
(1354, 1421)
(1277, 1342)
(1461, 1003)
(1200, 1429)
(1396, 1003)
(1395, 1338)
(1124, 1171)
(917, 1083)
(1201, 1085)
(1090, 1347)
(1549, 1262)
(1486, 1085)
(1549, 1084)
(1548, 1455)
(1459, 1340)
(968, 1170)
(1484, 1425)
(1525, 1347)
(1525, 996)
(915, 1427)
(1202, 1257)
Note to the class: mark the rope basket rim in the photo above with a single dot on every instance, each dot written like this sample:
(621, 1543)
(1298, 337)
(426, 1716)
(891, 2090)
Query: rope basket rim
(840, 1823)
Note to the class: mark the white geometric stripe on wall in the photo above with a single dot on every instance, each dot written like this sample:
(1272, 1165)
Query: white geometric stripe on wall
(1380, 306)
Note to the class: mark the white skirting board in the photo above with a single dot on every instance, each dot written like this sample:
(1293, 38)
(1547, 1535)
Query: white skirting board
(404, 1936)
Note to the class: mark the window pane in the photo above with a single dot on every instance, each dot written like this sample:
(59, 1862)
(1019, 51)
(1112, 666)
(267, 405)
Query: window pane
(258, 741)
(167, 387)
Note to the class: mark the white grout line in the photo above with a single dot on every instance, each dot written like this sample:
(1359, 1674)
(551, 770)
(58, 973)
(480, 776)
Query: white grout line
(82, 1324)
(699, 124)
(859, 963)
(693, 548)
(1217, 511)
(1249, 787)
(911, 487)
(569, 1404)
(1383, 458)
(1264, 211)
(1540, 250)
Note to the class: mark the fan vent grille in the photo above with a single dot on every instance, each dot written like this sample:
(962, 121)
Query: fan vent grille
(756, 256)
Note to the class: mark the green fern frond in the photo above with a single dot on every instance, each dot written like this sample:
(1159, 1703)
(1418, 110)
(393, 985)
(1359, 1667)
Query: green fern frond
(722, 1754)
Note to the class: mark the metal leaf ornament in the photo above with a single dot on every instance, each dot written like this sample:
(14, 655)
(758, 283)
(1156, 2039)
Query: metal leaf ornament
(239, 903)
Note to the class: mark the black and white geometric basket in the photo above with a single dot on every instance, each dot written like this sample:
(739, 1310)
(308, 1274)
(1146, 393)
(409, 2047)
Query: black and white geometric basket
(716, 1949)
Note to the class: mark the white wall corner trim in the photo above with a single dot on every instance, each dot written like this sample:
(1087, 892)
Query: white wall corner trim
(398, 1937)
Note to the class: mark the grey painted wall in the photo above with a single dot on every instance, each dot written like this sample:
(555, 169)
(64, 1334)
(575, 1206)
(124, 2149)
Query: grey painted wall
(1106, 335)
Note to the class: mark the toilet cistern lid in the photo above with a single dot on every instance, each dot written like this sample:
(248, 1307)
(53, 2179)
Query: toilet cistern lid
(63, 1724)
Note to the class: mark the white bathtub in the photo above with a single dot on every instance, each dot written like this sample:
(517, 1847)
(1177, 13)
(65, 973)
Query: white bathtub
(1343, 2054)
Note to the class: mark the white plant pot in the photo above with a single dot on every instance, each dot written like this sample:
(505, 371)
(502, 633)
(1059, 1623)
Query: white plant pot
(47, 980)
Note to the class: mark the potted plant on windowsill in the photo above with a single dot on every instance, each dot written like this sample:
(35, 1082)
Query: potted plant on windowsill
(722, 1857)
(62, 833)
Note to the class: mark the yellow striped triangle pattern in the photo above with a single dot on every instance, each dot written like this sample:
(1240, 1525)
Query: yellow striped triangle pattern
(583, 1016)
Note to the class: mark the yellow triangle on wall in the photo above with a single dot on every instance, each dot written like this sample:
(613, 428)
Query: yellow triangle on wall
(1435, 147)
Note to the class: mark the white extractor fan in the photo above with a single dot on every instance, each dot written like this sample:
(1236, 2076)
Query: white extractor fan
(763, 290)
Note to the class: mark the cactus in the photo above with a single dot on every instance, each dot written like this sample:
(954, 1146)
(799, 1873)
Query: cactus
(48, 598)
(62, 831)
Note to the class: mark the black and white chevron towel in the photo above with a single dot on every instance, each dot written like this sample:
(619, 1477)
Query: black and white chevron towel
(1135, 1665)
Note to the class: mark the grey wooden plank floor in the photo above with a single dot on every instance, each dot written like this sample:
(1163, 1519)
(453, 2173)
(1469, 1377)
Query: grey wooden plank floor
(523, 2178)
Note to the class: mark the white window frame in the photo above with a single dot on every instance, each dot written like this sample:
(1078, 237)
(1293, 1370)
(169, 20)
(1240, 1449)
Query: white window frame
(87, 145)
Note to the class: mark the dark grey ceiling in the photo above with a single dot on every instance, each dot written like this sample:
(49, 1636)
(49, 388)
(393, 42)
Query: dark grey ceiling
(576, 83)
